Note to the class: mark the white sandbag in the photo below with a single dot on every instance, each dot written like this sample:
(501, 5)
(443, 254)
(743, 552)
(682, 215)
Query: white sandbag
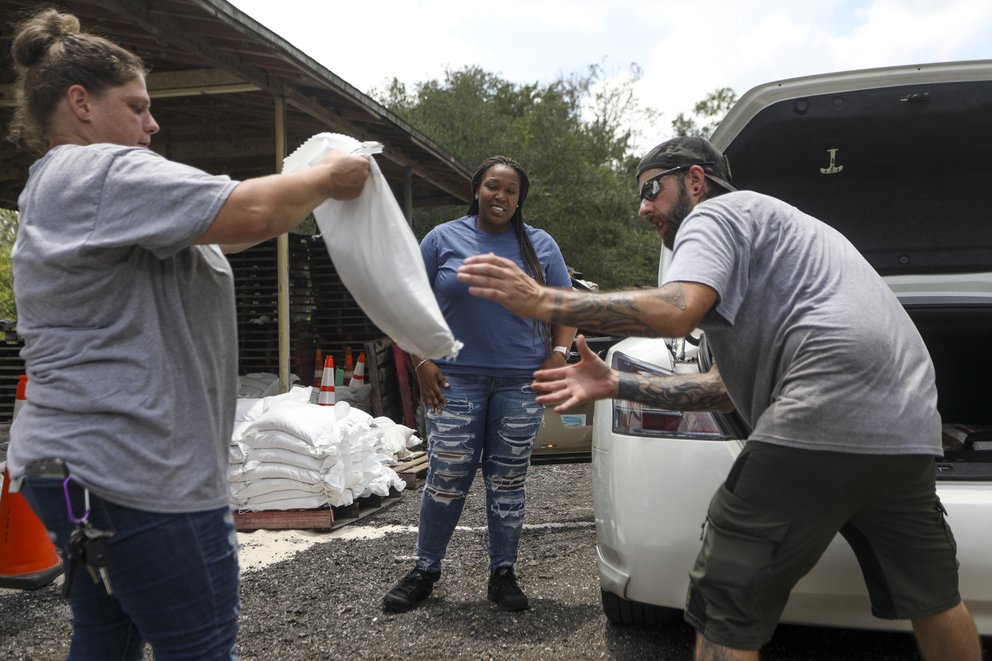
(243, 491)
(317, 425)
(376, 255)
(246, 410)
(298, 503)
(295, 394)
(410, 440)
(334, 479)
(332, 482)
(279, 440)
(254, 470)
(278, 456)
(356, 417)
(261, 384)
(396, 439)
(380, 482)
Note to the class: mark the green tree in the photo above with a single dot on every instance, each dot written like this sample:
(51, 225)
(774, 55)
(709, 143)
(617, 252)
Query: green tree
(707, 114)
(569, 135)
(8, 232)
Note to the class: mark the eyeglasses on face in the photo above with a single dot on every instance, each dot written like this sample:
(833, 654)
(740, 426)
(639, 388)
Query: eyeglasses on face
(652, 186)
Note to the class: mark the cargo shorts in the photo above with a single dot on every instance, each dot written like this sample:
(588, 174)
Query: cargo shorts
(777, 512)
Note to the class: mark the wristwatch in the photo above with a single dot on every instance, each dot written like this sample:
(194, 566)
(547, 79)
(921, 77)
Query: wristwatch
(562, 350)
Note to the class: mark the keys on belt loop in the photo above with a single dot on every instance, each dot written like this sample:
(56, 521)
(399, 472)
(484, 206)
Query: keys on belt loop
(87, 545)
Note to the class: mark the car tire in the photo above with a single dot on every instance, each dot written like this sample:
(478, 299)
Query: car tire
(620, 611)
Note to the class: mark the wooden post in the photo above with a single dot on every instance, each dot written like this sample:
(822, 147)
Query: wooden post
(282, 257)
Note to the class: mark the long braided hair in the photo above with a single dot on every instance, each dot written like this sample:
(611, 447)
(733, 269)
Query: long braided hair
(531, 263)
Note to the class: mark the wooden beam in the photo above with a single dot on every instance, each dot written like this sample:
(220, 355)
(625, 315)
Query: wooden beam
(170, 84)
(189, 149)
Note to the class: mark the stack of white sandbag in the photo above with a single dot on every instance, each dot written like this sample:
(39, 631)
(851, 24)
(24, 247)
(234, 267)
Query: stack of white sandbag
(287, 453)
(261, 384)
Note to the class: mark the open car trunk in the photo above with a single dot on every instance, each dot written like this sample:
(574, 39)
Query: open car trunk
(961, 349)
(894, 158)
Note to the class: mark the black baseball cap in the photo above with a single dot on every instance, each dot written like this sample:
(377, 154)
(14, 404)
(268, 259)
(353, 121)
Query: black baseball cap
(689, 150)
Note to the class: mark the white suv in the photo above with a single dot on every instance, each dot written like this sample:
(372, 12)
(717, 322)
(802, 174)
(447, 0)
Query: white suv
(898, 159)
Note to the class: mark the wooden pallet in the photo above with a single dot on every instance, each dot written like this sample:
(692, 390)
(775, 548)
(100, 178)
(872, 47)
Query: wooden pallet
(413, 469)
(323, 518)
(318, 519)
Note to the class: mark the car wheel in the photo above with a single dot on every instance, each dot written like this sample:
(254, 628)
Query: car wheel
(623, 611)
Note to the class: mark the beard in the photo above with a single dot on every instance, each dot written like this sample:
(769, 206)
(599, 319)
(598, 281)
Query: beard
(673, 221)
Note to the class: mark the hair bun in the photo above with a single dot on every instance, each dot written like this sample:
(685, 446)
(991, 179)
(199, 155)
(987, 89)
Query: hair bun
(64, 24)
(37, 34)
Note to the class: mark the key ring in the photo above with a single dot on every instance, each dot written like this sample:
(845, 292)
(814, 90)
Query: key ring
(68, 504)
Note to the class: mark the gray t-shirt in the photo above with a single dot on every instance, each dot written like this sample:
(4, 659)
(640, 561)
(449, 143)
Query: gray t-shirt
(129, 328)
(815, 350)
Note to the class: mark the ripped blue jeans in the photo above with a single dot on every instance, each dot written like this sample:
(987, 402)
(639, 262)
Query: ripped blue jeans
(492, 420)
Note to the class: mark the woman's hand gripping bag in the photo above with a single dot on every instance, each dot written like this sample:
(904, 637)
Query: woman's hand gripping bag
(376, 255)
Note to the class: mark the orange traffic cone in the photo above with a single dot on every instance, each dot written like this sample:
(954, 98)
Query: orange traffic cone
(326, 397)
(318, 368)
(358, 376)
(22, 395)
(349, 366)
(28, 560)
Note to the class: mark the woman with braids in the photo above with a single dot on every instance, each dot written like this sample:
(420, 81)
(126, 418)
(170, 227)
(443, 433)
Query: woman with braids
(480, 408)
(126, 305)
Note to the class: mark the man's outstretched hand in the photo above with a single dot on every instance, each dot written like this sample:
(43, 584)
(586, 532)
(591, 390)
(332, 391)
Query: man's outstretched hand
(585, 381)
(500, 280)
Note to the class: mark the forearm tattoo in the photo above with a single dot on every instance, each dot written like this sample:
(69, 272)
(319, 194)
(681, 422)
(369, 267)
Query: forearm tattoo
(616, 313)
(679, 392)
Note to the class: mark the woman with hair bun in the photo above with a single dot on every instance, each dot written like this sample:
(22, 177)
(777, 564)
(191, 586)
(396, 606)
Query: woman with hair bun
(126, 305)
(480, 408)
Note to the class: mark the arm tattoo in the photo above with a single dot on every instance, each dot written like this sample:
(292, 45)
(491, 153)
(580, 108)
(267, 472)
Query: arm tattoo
(617, 313)
(678, 392)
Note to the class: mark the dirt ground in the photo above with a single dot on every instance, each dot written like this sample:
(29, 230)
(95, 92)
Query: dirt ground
(324, 602)
(309, 595)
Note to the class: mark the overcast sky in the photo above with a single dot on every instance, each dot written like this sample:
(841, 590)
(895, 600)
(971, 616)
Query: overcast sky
(685, 48)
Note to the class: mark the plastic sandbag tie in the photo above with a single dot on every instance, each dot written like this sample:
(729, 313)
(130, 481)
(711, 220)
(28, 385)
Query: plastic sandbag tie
(376, 254)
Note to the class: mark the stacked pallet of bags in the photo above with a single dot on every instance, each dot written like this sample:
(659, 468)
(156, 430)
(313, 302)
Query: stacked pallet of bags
(287, 453)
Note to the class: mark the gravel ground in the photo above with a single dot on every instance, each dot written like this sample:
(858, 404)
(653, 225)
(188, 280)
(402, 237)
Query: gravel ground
(326, 602)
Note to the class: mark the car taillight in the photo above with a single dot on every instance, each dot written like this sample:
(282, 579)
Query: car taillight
(635, 419)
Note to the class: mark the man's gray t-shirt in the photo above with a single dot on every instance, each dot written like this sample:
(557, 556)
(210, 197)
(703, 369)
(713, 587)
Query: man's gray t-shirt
(815, 350)
(130, 330)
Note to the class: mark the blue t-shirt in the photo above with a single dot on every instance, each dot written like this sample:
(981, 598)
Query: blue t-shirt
(497, 342)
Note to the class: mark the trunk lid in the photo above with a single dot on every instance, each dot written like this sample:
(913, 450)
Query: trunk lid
(895, 158)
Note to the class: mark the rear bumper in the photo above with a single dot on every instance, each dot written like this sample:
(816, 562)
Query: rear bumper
(650, 497)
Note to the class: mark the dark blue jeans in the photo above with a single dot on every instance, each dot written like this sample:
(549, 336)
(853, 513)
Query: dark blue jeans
(174, 578)
(488, 420)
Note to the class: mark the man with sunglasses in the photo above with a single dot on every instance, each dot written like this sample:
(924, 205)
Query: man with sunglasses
(819, 358)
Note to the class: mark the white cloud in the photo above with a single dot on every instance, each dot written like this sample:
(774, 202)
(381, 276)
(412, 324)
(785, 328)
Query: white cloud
(742, 45)
(910, 32)
(685, 49)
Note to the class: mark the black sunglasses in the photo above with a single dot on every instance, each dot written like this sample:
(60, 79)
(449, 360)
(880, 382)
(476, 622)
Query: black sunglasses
(652, 186)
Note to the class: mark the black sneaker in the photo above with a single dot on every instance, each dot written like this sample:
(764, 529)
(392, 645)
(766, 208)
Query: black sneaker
(503, 589)
(411, 590)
